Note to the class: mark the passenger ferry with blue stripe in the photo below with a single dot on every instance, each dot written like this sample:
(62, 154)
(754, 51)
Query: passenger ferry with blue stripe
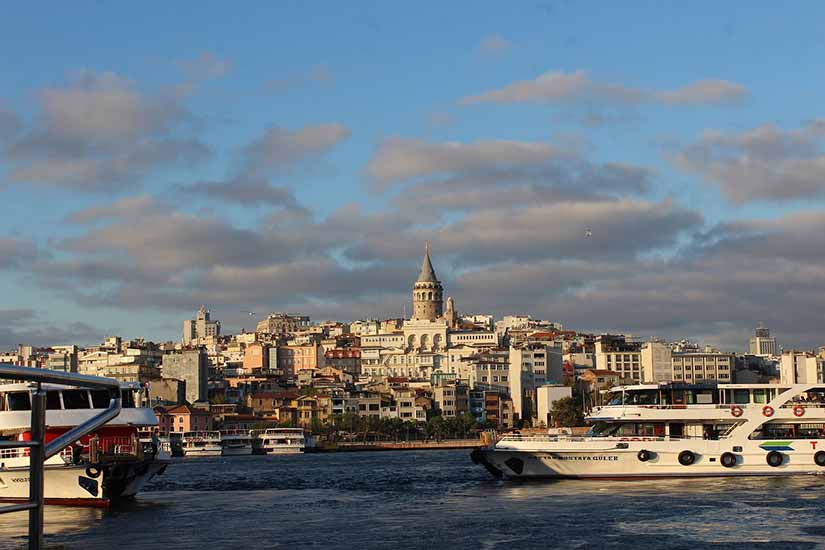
(679, 430)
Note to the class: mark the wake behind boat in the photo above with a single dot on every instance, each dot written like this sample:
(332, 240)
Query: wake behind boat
(679, 430)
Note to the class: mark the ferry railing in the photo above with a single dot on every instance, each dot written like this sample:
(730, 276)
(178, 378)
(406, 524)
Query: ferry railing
(39, 450)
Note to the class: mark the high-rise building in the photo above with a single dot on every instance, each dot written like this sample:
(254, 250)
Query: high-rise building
(762, 343)
(197, 331)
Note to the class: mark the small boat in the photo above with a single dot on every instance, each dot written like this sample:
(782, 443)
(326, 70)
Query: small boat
(679, 430)
(201, 444)
(236, 443)
(275, 441)
(107, 465)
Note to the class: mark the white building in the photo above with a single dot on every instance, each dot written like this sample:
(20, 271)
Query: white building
(762, 343)
(704, 366)
(801, 367)
(546, 397)
(656, 362)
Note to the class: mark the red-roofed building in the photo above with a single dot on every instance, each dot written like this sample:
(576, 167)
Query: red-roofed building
(345, 359)
(182, 418)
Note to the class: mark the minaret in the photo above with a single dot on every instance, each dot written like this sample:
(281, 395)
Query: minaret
(427, 291)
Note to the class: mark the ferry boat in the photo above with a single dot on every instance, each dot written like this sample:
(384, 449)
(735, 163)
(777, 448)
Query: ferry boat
(201, 444)
(236, 443)
(679, 430)
(106, 465)
(273, 441)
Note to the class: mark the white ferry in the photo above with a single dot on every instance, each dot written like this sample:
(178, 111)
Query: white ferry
(236, 443)
(275, 441)
(679, 430)
(201, 444)
(104, 466)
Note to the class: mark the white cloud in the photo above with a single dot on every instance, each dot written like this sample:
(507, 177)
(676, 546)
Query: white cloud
(494, 44)
(561, 87)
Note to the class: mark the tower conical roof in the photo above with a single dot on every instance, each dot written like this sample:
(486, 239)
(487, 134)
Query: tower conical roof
(427, 274)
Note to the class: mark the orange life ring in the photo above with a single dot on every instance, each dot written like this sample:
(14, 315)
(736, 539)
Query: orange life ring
(798, 410)
(736, 411)
(767, 410)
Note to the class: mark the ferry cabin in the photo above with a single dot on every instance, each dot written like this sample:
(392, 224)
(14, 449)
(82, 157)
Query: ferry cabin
(708, 411)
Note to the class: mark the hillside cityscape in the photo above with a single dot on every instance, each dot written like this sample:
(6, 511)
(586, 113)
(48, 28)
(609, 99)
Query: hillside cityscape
(468, 369)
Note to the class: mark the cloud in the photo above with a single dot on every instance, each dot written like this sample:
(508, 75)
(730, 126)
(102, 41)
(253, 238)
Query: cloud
(100, 133)
(10, 124)
(703, 92)
(127, 207)
(21, 326)
(205, 66)
(246, 192)
(398, 159)
(560, 87)
(279, 148)
(494, 44)
(16, 252)
(764, 163)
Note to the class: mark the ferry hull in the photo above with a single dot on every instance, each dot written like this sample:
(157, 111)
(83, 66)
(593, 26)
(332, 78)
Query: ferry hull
(625, 464)
(203, 452)
(237, 451)
(79, 485)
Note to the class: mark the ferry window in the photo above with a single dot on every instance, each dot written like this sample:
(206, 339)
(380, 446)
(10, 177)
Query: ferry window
(759, 396)
(704, 397)
(100, 399)
(75, 399)
(127, 399)
(19, 401)
(53, 400)
(741, 397)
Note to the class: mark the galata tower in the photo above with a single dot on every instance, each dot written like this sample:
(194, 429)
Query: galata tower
(427, 291)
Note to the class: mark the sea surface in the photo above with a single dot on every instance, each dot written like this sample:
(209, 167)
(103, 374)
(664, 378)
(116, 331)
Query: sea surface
(430, 499)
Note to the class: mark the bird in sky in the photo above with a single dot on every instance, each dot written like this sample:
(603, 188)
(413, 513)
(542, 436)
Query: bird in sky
(250, 313)
(588, 232)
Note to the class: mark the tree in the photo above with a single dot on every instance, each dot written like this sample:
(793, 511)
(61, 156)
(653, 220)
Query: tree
(567, 412)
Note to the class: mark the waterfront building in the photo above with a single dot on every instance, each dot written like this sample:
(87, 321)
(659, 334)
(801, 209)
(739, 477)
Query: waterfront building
(617, 353)
(532, 365)
(492, 407)
(546, 397)
(182, 418)
(192, 367)
(801, 367)
(656, 361)
(201, 329)
(451, 399)
(703, 366)
(762, 343)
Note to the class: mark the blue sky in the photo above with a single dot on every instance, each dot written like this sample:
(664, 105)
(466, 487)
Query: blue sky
(296, 155)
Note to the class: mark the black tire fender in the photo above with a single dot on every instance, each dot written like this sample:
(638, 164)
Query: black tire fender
(819, 458)
(774, 459)
(93, 472)
(728, 460)
(687, 458)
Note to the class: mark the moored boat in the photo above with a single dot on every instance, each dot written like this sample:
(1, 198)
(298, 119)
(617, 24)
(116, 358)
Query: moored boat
(236, 443)
(281, 441)
(679, 430)
(107, 465)
(201, 444)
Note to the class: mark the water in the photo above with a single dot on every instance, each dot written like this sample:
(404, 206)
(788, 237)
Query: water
(431, 499)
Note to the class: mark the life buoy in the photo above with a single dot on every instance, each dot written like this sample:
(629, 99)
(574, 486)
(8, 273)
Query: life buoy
(767, 410)
(819, 458)
(798, 410)
(736, 411)
(93, 472)
(644, 455)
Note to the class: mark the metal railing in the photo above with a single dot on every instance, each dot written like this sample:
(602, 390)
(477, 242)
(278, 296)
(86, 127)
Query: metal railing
(39, 450)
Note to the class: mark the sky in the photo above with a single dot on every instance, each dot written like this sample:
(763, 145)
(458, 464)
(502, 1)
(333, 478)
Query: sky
(654, 168)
